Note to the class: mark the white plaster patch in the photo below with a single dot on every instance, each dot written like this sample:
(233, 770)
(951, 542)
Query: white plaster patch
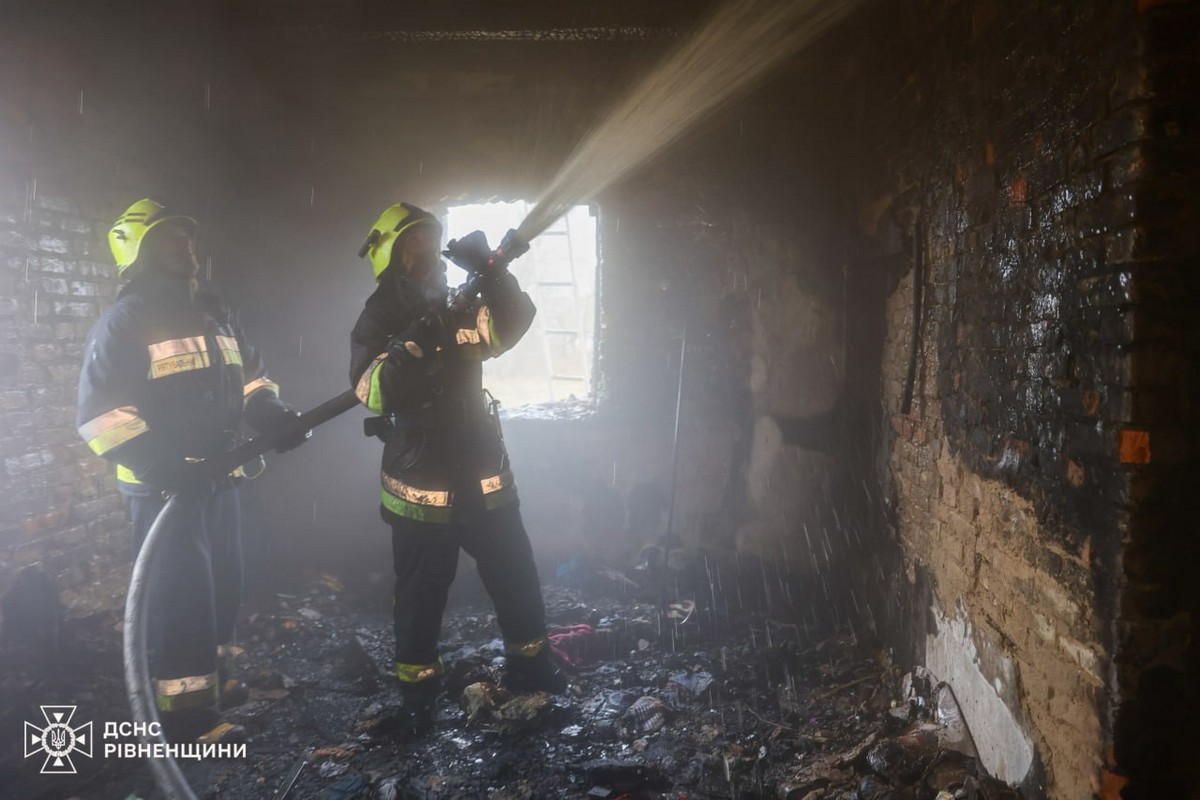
(951, 654)
(1082, 655)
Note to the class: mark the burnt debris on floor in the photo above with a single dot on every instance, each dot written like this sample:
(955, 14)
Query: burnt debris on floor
(668, 700)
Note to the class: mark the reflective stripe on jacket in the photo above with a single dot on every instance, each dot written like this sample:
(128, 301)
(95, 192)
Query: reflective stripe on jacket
(165, 377)
(442, 443)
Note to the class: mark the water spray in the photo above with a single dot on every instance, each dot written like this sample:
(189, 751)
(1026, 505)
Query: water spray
(738, 45)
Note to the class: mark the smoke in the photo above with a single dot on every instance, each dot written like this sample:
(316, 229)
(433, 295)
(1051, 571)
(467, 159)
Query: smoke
(739, 44)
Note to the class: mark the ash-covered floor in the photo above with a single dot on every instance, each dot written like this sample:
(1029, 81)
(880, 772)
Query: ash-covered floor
(667, 701)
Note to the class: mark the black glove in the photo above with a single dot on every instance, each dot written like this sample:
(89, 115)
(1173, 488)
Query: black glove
(471, 252)
(292, 440)
(421, 339)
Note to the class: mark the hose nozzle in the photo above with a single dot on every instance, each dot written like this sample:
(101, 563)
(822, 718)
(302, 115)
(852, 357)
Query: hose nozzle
(512, 246)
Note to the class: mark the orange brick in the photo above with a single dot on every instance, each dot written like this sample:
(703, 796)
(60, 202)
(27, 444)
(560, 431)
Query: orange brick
(1135, 447)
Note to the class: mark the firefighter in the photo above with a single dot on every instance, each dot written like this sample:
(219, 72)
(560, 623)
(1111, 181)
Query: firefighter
(167, 380)
(446, 481)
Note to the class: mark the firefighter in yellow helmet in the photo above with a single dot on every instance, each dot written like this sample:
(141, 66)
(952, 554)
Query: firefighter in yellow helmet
(446, 481)
(167, 380)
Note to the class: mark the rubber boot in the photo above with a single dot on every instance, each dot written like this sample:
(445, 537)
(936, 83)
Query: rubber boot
(233, 691)
(202, 725)
(419, 706)
(539, 673)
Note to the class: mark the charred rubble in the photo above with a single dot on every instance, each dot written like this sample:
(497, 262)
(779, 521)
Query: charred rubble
(708, 697)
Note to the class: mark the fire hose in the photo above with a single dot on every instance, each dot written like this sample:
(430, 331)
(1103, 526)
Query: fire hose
(166, 771)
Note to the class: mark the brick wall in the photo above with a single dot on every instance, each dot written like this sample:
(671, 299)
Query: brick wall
(76, 149)
(59, 509)
(1039, 154)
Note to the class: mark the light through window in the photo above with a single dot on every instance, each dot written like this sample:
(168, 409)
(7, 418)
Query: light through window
(553, 363)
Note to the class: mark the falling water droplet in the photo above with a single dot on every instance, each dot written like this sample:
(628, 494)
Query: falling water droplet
(738, 584)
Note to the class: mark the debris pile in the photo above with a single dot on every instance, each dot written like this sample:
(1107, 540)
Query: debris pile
(666, 701)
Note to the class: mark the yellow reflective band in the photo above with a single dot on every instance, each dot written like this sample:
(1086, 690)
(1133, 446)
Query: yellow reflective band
(498, 490)
(466, 336)
(112, 429)
(497, 482)
(483, 324)
(525, 649)
(191, 683)
(403, 508)
(415, 673)
(367, 390)
(175, 694)
(260, 384)
(215, 735)
(424, 497)
(178, 355)
(230, 350)
(177, 347)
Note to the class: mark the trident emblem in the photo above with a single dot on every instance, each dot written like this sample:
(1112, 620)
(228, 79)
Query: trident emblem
(58, 740)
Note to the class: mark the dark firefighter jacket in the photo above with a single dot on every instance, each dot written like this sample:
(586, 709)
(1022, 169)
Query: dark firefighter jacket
(441, 442)
(167, 377)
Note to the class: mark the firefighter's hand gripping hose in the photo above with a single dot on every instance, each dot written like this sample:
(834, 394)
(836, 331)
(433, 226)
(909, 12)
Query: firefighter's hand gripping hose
(481, 264)
(167, 774)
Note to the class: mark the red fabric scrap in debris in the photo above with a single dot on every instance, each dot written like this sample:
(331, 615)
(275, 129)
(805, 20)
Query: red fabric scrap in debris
(580, 645)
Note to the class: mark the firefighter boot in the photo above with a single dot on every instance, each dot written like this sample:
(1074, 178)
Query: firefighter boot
(420, 704)
(202, 725)
(537, 673)
(233, 691)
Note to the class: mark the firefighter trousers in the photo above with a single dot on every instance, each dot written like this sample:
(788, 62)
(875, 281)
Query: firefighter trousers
(193, 592)
(425, 556)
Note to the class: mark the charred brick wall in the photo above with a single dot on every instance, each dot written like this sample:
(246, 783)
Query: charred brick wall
(1030, 183)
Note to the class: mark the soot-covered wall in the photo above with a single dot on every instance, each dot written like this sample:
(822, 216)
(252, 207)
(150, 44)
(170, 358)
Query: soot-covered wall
(1021, 175)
